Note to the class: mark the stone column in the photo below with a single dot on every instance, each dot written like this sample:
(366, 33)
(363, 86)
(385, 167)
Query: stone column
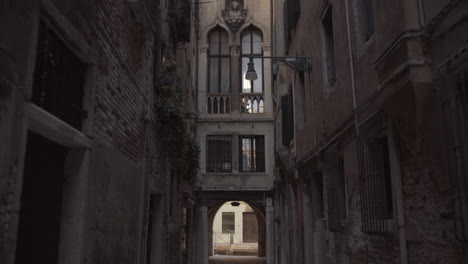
(270, 227)
(235, 78)
(202, 254)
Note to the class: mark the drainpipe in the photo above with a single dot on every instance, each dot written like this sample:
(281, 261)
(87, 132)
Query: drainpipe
(351, 67)
(398, 192)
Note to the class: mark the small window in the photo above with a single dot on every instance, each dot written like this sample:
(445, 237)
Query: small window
(302, 99)
(228, 222)
(335, 188)
(364, 19)
(328, 48)
(252, 153)
(219, 153)
(58, 78)
(375, 175)
(287, 118)
(219, 61)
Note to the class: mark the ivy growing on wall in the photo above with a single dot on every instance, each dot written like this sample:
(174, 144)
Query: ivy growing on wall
(176, 126)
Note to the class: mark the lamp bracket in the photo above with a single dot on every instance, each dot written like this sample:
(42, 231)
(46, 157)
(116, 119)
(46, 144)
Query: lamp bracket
(300, 64)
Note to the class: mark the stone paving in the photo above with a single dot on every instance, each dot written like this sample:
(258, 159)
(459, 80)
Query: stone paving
(236, 260)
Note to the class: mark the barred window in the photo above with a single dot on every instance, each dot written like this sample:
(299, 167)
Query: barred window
(252, 153)
(335, 188)
(456, 111)
(375, 175)
(58, 78)
(219, 153)
(228, 222)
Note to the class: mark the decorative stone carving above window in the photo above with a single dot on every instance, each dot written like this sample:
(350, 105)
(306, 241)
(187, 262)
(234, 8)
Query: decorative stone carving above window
(234, 15)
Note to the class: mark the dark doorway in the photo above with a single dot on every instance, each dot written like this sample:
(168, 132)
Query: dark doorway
(154, 253)
(250, 232)
(41, 201)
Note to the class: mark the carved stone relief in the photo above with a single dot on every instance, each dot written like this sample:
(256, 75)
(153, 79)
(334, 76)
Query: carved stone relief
(234, 14)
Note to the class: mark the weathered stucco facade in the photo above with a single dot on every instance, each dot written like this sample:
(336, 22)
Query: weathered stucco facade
(384, 71)
(83, 178)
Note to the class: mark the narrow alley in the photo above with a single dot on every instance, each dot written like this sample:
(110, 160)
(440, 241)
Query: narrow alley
(234, 131)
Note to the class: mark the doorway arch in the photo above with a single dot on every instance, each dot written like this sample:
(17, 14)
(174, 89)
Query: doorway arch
(261, 226)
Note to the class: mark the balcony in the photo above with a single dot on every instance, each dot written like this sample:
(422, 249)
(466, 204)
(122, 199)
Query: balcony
(219, 103)
(252, 103)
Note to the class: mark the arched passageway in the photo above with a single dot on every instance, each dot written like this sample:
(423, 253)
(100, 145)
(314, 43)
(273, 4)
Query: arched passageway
(243, 233)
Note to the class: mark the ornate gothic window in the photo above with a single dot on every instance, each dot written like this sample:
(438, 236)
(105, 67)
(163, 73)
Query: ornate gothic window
(219, 61)
(252, 46)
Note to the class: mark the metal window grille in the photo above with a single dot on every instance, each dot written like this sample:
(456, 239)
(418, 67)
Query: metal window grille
(375, 177)
(58, 78)
(228, 222)
(252, 153)
(219, 153)
(335, 188)
(287, 118)
(456, 111)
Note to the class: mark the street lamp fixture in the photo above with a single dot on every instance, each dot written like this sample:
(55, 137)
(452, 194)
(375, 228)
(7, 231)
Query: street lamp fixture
(300, 64)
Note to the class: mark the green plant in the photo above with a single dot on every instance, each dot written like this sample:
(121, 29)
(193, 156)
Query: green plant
(175, 125)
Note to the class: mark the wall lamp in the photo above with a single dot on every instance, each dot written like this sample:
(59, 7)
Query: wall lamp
(300, 64)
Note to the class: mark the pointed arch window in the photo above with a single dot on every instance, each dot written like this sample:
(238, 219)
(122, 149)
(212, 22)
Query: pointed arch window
(219, 61)
(252, 46)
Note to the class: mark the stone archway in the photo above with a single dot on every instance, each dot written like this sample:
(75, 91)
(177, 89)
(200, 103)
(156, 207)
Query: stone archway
(260, 217)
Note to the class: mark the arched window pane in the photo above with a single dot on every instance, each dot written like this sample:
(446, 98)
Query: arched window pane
(246, 84)
(255, 106)
(215, 106)
(246, 37)
(209, 106)
(262, 106)
(214, 42)
(214, 76)
(224, 43)
(257, 42)
(258, 84)
(225, 75)
(221, 106)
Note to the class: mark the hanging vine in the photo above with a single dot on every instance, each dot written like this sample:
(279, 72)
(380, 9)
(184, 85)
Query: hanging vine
(176, 126)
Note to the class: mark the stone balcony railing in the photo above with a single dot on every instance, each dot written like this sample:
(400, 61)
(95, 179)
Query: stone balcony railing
(219, 103)
(252, 103)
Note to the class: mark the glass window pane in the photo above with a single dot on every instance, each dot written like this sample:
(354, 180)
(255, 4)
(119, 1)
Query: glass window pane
(224, 43)
(246, 85)
(246, 42)
(258, 84)
(257, 42)
(214, 75)
(214, 42)
(225, 75)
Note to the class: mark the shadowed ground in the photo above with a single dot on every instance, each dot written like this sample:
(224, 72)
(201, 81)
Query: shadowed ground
(236, 259)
